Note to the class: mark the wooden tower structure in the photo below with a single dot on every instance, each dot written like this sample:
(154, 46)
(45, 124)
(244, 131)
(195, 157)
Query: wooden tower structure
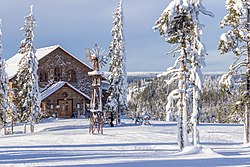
(96, 111)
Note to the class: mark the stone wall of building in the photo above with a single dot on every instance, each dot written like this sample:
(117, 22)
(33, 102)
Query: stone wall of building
(72, 71)
(65, 93)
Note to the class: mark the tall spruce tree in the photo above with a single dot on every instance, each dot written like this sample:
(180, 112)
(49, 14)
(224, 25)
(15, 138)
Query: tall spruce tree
(27, 93)
(179, 25)
(237, 40)
(117, 100)
(4, 88)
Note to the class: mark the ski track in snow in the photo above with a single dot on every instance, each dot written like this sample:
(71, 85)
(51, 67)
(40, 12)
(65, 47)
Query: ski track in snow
(66, 142)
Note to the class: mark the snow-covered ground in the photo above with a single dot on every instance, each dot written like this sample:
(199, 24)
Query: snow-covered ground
(66, 142)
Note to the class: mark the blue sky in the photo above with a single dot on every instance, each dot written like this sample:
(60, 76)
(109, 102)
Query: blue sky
(79, 24)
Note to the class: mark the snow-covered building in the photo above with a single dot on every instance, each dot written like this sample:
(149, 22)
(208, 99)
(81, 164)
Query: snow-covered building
(63, 80)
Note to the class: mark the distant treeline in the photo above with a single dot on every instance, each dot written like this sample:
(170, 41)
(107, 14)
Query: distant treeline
(149, 95)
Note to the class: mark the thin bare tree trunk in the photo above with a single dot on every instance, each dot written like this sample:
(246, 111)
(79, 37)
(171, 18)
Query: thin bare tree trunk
(32, 127)
(12, 125)
(119, 112)
(24, 127)
(183, 104)
(180, 122)
(116, 115)
(246, 125)
(195, 112)
(4, 124)
(4, 129)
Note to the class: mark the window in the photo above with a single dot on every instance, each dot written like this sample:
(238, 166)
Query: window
(72, 75)
(43, 76)
(57, 74)
(66, 107)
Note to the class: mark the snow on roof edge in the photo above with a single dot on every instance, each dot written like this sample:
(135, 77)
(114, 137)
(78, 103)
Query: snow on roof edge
(61, 84)
(12, 62)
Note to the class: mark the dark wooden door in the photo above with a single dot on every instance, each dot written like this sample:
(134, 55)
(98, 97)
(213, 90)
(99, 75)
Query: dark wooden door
(65, 110)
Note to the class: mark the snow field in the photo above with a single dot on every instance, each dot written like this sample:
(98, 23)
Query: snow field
(66, 142)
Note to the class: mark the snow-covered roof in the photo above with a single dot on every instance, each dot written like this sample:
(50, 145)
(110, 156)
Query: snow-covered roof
(95, 72)
(56, 86)
(12, 63)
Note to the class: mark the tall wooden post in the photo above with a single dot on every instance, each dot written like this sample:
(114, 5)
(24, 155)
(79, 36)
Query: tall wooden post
(96, 112)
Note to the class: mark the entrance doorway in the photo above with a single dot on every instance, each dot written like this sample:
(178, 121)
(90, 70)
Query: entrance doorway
(65, 109)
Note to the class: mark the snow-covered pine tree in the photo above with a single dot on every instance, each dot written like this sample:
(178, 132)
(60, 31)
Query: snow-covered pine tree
(174, 24)
(198, 53)
(4, 88)
(117, 100)
(179, 25)
(27, 92)
(237, 40)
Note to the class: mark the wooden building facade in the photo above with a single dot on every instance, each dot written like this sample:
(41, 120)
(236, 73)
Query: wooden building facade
(63, 80)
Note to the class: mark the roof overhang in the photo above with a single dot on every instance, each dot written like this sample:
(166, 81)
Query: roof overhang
(58, 85)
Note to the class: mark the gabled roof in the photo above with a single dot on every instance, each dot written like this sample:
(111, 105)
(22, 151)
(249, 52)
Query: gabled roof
(58, 85)
(12, 63)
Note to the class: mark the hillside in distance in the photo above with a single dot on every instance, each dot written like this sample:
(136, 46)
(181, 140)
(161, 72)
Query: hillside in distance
(132, 76)
(149, 93)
